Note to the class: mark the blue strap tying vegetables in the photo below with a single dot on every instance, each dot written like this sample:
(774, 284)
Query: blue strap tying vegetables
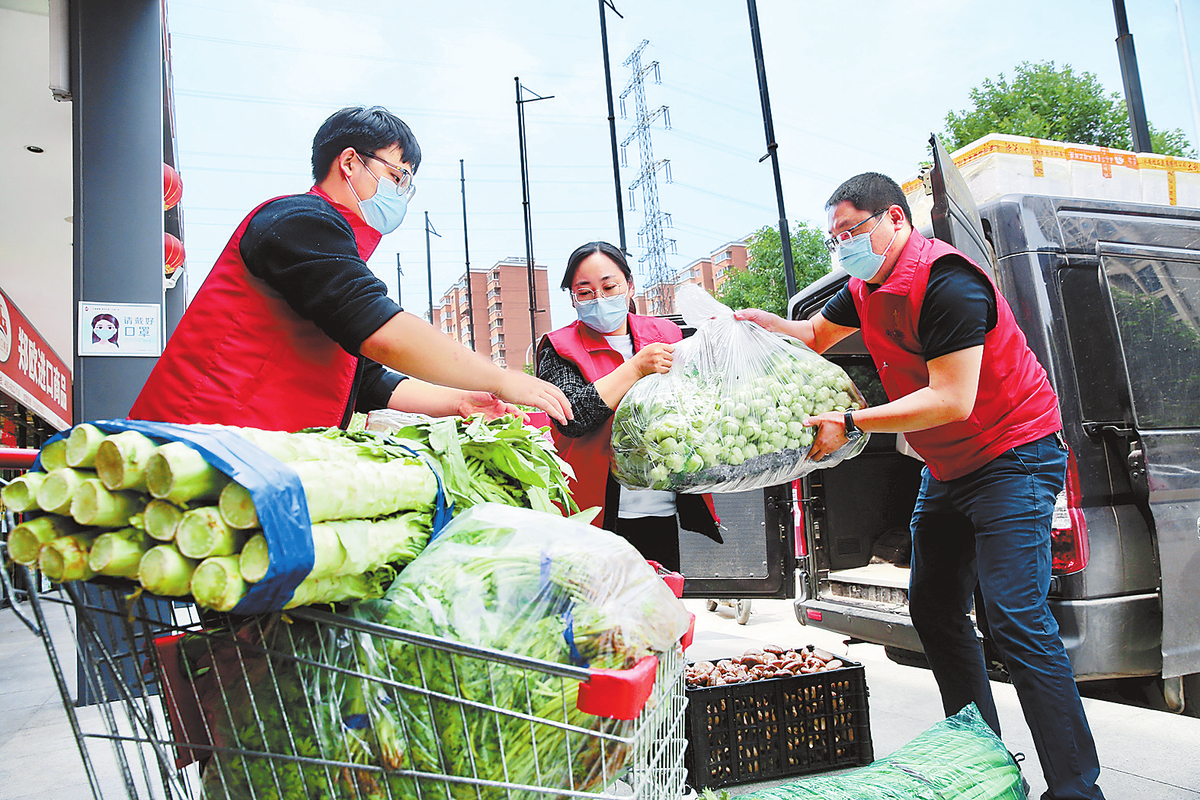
(569, 634)
(356, 722)
(443, 505)
(278, 499)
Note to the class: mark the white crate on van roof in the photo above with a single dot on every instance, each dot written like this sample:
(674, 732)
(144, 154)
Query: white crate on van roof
(999, 164)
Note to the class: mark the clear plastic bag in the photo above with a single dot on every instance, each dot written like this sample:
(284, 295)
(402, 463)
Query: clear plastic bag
(530, 584)
(728, 417)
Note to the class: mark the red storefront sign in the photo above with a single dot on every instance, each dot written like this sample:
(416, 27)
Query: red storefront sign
(30, 372)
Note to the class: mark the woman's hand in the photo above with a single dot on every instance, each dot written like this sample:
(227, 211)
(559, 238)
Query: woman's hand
(762, 318)
(655, 357)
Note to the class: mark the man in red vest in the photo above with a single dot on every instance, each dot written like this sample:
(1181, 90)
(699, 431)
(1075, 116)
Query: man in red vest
(292, 330)
(973, 401)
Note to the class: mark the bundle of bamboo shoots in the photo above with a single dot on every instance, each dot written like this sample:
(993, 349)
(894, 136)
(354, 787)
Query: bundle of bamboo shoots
(122, 505)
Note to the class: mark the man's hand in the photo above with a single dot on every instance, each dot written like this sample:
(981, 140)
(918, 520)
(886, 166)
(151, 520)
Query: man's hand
(655, 357)
(489, 405)
(830, 434)
(528, 390)
(762, 318)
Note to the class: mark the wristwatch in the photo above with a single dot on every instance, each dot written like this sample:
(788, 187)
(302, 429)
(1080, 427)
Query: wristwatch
(852, 430)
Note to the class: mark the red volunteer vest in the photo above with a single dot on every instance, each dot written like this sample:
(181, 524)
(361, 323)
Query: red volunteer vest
(1015, 403)
(589, 455)
(241, 356)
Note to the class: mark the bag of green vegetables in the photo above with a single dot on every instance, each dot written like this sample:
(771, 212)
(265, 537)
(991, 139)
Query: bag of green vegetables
(729, 416)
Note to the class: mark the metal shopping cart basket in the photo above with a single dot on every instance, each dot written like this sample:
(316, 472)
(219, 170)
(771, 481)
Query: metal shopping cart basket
(299, 705)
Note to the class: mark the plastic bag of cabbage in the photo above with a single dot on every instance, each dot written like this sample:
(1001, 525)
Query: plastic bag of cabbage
(729, 416)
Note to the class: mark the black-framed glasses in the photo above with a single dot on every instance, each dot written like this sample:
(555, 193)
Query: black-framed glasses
(405, 179)
(590, 295)
(832, 243)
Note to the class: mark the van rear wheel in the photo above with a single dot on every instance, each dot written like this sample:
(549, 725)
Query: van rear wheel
(907, 658)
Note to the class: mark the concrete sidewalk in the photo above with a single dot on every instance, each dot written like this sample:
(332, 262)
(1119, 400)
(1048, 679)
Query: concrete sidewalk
(1146, 755)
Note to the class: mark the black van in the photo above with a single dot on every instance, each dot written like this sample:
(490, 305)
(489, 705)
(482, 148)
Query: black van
(1108, 294)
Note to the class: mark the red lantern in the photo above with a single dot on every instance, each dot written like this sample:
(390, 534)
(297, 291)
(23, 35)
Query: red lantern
(172, 187)
(173, 254)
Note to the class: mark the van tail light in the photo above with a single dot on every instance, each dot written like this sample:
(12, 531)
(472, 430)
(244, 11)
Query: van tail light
(801, 543)
(1068, 530)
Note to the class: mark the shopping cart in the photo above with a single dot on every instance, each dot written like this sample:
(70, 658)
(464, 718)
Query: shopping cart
(299, 705)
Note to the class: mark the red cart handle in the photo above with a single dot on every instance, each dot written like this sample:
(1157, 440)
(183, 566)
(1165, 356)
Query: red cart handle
(17, 457)
(618, 693)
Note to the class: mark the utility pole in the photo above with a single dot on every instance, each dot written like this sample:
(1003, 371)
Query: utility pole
(785, 238)
(525, 203)
(1138, 126)
(650, 237)
(399, 276)
(429, 262)
(462, 175)
(612, 121)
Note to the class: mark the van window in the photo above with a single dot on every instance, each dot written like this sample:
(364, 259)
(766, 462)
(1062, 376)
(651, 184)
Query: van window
(1101, 382)
(1156, 304)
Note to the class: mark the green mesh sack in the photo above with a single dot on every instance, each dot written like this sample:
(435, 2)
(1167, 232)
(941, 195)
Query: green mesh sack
(959, 757)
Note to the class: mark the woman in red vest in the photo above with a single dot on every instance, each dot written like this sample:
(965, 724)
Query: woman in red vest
(595, 361)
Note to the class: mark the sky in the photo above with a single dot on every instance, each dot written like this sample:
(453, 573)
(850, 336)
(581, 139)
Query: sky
(853, 87)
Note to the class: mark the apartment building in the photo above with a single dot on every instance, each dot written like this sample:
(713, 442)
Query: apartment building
(496, 310)
(708, 273)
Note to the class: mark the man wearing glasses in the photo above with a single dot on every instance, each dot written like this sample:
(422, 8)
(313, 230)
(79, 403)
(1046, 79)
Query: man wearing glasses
(291, 329)
(971, 398)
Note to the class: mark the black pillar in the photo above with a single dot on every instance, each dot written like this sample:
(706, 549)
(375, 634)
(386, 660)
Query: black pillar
(117, 90)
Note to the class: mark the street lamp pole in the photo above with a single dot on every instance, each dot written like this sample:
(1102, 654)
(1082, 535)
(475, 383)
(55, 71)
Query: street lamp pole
(429, 262)
(789, 272)
(525, 202)
(612, 121)
(462, 175)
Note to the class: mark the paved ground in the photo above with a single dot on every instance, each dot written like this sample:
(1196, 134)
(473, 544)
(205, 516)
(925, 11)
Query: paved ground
(1145, 754)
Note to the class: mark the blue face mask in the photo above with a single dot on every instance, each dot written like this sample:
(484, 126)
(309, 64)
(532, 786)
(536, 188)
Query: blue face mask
(384, 211)
(604, 315)
(858, 258)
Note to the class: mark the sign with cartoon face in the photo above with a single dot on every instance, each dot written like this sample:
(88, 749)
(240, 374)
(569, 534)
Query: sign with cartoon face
(120, 329)
(30, 371)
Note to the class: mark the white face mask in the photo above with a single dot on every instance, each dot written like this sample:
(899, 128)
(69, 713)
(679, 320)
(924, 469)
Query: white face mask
(385, 210)
(604, 314)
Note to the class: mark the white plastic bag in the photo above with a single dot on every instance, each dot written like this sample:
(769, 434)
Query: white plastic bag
(729, 415)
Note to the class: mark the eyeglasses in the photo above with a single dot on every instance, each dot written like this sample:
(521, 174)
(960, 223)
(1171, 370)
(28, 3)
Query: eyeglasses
(401, 176)
(589, 295)
(832, 243)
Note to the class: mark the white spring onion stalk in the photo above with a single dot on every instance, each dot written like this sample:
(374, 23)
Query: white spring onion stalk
(164, 571)
(96, 506)
(355, 490)
(121, 460)
(66, 558)
(58, 489)
(26, 540)
(21, 492)
(119, 553)
(82, 445)
(179, 473)
(202, 533)
(161, 519)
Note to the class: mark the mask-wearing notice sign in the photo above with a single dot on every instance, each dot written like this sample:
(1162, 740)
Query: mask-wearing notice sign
(120, 329)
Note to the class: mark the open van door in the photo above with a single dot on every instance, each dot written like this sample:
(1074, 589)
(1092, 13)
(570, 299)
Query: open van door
(955, 216)
(1154, 290)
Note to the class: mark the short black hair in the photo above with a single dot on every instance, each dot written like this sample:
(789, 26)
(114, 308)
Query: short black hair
(585, 250)
(364, 129)
(871, 192)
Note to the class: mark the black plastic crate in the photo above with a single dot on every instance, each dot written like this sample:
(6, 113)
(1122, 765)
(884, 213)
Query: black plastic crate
(777, 727)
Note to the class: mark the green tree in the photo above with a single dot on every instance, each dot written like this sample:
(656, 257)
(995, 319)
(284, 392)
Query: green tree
(1057, 104)
(763, 284)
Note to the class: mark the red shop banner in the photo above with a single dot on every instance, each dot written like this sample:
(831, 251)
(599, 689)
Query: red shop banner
(30, 372)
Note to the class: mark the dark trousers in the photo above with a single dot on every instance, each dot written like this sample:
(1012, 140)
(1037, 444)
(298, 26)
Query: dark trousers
(656, 538)
(992, 527)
